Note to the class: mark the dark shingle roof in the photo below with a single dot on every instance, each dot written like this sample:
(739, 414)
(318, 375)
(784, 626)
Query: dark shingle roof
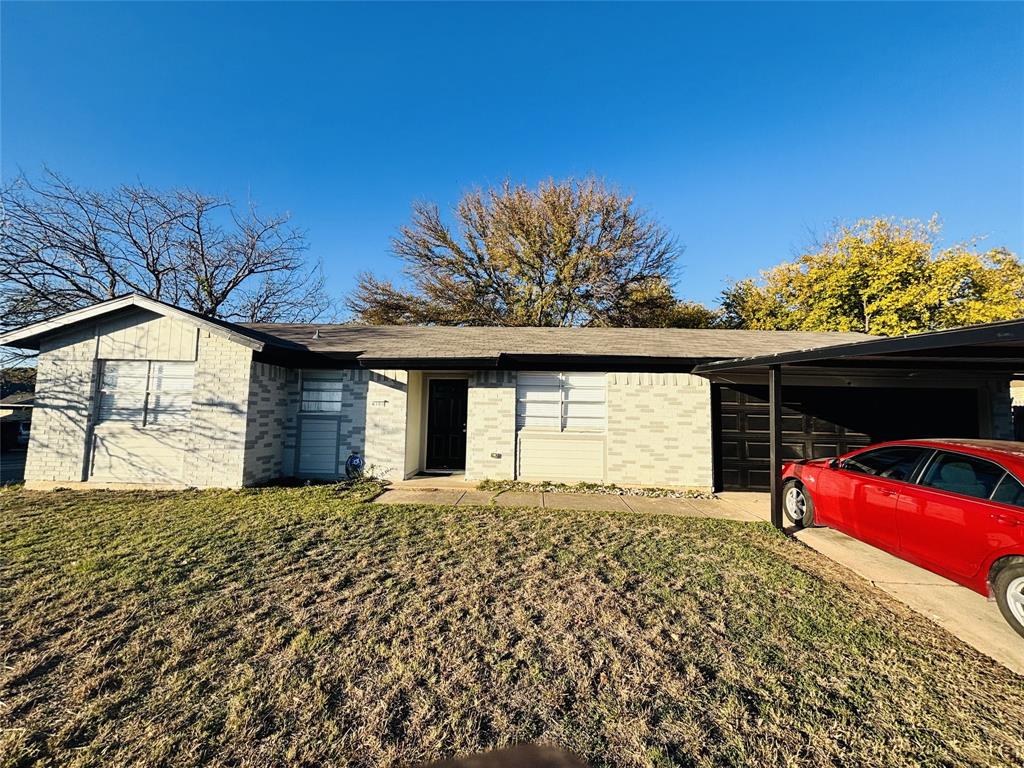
(437, 342)
(18, 399)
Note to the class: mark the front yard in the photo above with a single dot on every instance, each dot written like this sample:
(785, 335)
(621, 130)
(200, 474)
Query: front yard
(306, 627)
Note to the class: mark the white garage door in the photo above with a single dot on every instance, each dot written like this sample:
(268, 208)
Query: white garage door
(561, 420)
(142, 422)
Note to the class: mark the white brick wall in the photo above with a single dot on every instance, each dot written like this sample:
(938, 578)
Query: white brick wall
(491, 426)
(386, 395)
(66, 386)
(372, 422)
(659, 430)
(220, 397)
(63, 409)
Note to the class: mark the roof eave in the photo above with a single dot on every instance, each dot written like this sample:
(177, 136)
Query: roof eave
(427, 363)
(27, 337)
(989, 333)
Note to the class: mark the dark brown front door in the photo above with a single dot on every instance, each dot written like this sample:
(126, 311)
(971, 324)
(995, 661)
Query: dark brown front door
(446, 424)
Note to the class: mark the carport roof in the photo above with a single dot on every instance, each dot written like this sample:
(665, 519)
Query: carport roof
(997, 347)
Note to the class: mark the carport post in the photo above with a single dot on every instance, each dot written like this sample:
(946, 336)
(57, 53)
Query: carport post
(775, 441)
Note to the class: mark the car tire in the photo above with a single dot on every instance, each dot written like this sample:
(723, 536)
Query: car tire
(1008, 586)
(797, 504)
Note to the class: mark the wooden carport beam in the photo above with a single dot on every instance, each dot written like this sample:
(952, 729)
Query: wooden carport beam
(775, 441)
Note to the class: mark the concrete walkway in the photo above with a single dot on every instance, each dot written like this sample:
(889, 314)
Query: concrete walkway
(967, 615)
(455, 495)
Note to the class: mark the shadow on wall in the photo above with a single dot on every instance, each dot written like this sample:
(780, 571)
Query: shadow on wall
(67, 443)
(371, 423)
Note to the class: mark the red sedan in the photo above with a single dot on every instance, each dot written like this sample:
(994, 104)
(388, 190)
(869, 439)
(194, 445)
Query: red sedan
(955, 507)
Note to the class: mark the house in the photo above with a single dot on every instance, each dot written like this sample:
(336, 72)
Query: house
(15, 418)
(136, 391)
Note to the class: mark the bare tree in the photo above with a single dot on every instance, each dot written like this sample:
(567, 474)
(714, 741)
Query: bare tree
(63, 247)
(565, 253)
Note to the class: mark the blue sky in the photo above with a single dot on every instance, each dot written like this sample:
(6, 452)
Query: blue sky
(743, 128)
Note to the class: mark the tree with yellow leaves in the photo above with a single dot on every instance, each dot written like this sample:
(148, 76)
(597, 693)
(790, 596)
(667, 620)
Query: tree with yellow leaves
(881, 276)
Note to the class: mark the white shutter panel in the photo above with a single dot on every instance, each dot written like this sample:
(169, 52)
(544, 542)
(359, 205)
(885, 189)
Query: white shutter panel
(538, 401)
(170, 393)
(583, 402)
(123, 391)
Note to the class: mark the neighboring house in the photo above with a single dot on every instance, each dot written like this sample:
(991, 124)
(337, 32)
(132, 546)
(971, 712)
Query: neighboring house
(1017, 399)
(136, 391)
(16, 407)
(15, 417)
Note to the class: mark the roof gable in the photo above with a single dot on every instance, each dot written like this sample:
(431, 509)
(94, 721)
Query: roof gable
(28, 337)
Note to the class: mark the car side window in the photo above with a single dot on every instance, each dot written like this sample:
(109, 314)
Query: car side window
(1009, 491)
(895, 462)
(967, 475)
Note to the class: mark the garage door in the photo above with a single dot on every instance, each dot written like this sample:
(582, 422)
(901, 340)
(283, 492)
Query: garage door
(818, 422)
(142, 424)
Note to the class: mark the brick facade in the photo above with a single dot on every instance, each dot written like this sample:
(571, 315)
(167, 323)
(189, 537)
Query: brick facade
(67, 386)
(372, 422)
(245, 425)
(659, 430)
(266, 423)
(64, 407)
(491, 426)
(220, 397)
(386, 394)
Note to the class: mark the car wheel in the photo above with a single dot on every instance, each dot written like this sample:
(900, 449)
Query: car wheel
(797, 504)
(1009, 588)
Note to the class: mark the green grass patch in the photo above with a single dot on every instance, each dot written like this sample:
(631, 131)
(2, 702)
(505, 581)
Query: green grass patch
(305, 626)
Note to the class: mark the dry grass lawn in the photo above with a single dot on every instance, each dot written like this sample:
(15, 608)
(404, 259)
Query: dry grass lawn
(304, 626)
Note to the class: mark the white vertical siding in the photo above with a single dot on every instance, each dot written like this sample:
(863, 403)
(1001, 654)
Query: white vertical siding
(141, 335)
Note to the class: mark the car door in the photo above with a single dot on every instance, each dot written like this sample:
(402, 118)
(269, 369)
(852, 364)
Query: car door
(947, 520)
(863, 490)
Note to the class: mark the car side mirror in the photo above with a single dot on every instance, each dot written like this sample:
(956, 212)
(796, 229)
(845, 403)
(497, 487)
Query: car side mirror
(835, 464)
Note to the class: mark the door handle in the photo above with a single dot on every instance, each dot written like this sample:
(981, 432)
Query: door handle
(888, 492)
(1005, 519)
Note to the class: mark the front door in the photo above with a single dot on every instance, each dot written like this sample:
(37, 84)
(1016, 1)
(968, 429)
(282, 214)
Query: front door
(446, 424)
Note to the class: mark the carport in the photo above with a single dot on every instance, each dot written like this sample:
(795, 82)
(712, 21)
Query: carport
(908, 386)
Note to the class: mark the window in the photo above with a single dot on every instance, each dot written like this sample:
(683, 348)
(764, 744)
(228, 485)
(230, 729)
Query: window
(896, 462)
(321, 391)
(566, 402)
(967, 475)
(146, 392)
(1009, 491)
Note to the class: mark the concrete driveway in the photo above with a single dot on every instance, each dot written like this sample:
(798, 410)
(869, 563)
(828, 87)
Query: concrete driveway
(965, 614)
